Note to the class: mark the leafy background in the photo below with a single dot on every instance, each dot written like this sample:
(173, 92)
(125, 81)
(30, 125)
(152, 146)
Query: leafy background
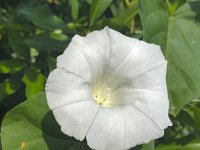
(33, 33)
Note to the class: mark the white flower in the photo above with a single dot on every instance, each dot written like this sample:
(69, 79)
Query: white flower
(110, 89)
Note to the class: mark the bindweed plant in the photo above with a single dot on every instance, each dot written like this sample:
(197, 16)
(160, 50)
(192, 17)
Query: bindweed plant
(34, 33)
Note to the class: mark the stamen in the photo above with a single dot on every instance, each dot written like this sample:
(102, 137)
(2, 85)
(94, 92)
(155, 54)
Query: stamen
(102, 96)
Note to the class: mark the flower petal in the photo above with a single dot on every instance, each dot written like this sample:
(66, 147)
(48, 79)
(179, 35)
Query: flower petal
(75, 119)
(74, 61)
(153, 80)
(95, 47)
(138, 128)
(151, 103)
(121, 47)
(63, 88)
(107, 130)
(143, 58)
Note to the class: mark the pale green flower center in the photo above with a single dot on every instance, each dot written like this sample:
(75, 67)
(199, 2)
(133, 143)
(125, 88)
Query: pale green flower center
(102, 96)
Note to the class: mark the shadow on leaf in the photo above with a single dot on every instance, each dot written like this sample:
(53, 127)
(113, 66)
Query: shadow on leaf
(55, 139)
(195, 5)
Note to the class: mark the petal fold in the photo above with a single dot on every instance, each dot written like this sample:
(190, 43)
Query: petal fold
(143, 58)
(75, 119)
(63, 88)
(95, 47)
(154, 79)
(153, 104)
(107, 130)
(139, 128)
(121, 47)
(73, 61)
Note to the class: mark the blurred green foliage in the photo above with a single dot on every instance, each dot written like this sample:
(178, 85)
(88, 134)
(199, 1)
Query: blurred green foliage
(33, 33)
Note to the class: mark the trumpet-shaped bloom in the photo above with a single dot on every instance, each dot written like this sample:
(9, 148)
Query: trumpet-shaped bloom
(110, 89)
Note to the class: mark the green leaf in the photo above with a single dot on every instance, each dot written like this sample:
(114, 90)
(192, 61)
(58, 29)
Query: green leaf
(97, 9)
(111, 22)
(34, 81)
(139, 147)
(195, 114)
(180, 43)
(42, 17)
(149, 146)
(15, 40)
(191, 145)
(11, 66)
(118, 6)
(74, 9)
(173, 5)
(127, 15)
(89, 1)
(58, 36)
(48, 43)
(0, 143)
(184, 117)
(154, 17)
(51, 62)
(31, 125)
(8, 87)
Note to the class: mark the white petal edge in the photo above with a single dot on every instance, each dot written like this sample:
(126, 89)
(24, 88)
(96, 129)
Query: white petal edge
(144, 57)
(121, 128)
(63, 88)
(107, 130)
(121, 47)
(74, 61)
(154, 79)
(95, 47)
(153, 104)
(76, 119)
(138, 128)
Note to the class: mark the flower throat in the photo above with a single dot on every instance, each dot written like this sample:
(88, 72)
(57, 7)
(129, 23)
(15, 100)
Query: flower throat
(102, 96)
